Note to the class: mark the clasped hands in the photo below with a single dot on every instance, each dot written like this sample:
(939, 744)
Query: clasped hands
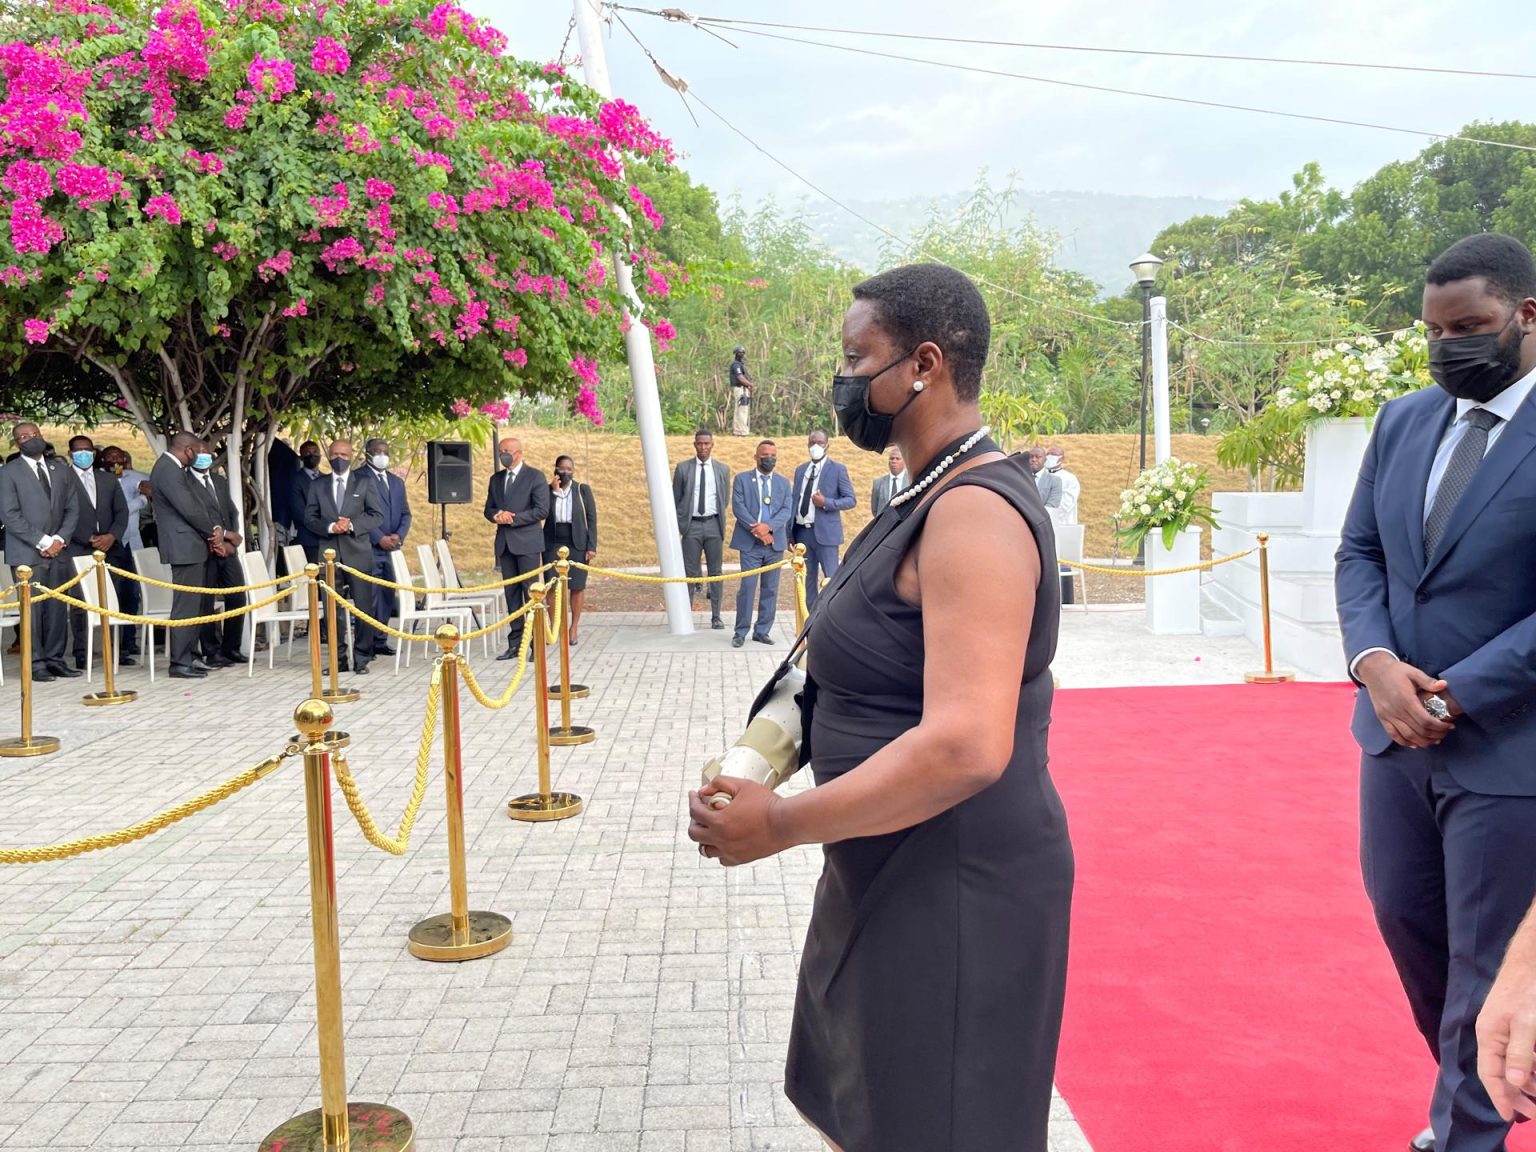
(1397, 692)
(223, 543)
(504, 517)
(763, 534)
(748, 828)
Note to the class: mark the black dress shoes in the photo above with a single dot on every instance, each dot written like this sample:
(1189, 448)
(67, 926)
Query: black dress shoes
(187, 672)
(717, 624)
(360, 670)
(41, 675)
(236, 657)
(126, 662)
(738, 641)
(1423, 1142)
(763, 639)
(64, 670)
(217, 660)
(383, 650)
(509, 654)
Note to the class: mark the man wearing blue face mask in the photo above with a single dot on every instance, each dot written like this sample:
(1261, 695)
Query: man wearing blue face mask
(1438, 614)
(101, 525)
(188, 534)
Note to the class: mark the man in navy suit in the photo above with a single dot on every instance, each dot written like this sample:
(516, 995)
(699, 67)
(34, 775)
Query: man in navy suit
(760, 503)
(822, 494)
(387, 537)
(517, 501)
(298, 500)
(1438, 610)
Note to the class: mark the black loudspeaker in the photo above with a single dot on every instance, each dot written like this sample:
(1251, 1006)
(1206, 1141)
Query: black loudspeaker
(449, 475)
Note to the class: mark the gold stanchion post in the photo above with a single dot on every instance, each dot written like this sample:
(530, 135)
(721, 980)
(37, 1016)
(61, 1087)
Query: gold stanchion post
(565, 689)
(110, 694)
(460, 934)
(567, 735)
(545, 804)
(336, 1126)
(312, 578)
(1269, 675)
(797, 564)
(27, 744)
(334, 694)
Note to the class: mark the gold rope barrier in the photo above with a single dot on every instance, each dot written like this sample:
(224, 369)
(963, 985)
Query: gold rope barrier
(128, 574)
(417, 588)
(109, 694)
(518, 673)
(1268, 675)
(378, 1127)
(642, 579)
(349, 790)
(154, 824)
(545, 804)
(26, 744)
(334, 694)
(460, 933)
(566, 735)
(423, 637)
(798, 564)
(1203, 566)
(46, 593)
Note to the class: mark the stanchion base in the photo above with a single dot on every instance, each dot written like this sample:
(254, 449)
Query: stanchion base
(578, 692)
(37, 746)
(1269, 677)
(102, 699)
(432, 939)
(555, 806)
(575, 734)
(370, 1128)
(340, 695)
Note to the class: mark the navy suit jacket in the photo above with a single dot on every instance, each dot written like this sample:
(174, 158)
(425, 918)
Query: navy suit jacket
(834, 485)
(396, 509)
(748, 509)
(1467, 613)
(298, 501)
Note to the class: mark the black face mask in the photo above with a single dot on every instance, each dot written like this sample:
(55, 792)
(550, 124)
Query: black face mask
(311, 461)
(506, 459)
(1475, 368)
(767, 464)
(339, 466)
(867, 429)
(564, 478)
(34, 448)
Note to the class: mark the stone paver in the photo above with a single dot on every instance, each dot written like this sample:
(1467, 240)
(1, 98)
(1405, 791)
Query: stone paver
(160, 995)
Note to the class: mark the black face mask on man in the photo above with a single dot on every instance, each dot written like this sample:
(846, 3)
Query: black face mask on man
(867, 429)
(1477, 368)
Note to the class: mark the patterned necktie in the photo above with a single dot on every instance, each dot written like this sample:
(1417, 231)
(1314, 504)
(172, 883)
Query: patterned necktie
(1465, 460)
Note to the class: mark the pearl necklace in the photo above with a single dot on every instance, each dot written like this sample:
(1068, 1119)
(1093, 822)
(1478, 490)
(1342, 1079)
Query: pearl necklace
(940, 468)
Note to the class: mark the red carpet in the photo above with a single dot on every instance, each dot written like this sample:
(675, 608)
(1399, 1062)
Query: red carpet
(1228, 991)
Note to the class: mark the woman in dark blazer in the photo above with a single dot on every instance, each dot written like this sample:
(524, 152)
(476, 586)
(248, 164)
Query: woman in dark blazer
(572, 524)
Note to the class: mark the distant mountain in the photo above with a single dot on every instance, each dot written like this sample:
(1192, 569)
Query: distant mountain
(1100, 233)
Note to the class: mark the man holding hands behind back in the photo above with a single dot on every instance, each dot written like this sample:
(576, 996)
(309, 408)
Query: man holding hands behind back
(760, 503)
(1438, 613)
(517, 502)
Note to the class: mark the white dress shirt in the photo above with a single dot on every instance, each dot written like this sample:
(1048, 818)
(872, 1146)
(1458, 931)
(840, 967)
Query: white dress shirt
(129, 481)
(1071, 489)
(563, 504)
(812, 479)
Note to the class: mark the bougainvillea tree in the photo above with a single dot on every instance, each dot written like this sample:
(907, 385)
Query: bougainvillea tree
(210, 214)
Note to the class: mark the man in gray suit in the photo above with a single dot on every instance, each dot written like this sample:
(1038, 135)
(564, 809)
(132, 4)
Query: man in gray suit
(1048, 482)
(702, 487)
(889, 485)
(188, 534)
(343, 509)
(39, 508)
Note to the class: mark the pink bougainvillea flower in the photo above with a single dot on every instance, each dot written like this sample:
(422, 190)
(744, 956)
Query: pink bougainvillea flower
(36, 331)
(28, 179)
(299, 307)
(498, 410)
(461, 408)
(586, 405)
(32, 229)
(585, 370)
(329, 57)
(164, 207)
(89, 184)
(274, 78)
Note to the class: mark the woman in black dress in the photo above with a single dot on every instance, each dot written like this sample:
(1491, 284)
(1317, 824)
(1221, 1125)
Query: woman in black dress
(930, 992)
(572, 524)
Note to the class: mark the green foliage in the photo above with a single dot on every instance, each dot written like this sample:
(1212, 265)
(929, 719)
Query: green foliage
(1019, 419)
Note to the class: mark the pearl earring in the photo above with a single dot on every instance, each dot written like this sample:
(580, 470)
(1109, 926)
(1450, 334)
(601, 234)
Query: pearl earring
(918, 385)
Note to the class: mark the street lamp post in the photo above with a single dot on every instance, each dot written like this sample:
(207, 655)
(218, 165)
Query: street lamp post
(1144, 268)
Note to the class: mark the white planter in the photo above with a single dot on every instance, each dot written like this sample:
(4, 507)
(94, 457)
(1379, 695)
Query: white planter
(1334, 451)
(1173, 602)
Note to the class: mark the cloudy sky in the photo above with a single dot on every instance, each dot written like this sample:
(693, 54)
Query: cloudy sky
(872, 129)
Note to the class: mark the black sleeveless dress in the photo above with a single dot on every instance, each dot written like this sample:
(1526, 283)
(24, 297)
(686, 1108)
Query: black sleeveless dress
(930, 992)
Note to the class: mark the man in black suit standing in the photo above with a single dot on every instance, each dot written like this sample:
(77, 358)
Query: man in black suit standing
(189, 532)
(221, 641)
(343, 511)
(298, 499)
(517, 502)
(39, 508)
(102, 523)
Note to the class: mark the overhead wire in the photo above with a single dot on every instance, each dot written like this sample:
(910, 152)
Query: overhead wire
(678, 16)
(1084, 86)
(905, 242)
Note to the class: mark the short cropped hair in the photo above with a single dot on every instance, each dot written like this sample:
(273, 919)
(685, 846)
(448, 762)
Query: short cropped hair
(1504, 262)
(921, 302)
(703, 432)
(766, 444)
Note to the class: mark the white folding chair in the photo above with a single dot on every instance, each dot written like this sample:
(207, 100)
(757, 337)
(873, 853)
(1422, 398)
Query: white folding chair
(1069, 546)
(481, 605)
(153, 601)
(294, 559)
(410, 613)
(9, 617)
(254, 565)
(87, 592)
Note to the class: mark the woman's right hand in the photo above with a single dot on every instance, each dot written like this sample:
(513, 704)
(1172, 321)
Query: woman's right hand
(746, 829)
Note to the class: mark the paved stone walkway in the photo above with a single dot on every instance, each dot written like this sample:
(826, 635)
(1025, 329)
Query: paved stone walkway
(159, 995)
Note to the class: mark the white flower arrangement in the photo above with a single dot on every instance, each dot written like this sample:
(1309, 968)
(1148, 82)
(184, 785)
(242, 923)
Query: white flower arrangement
(1355, 377)
(1166, 498)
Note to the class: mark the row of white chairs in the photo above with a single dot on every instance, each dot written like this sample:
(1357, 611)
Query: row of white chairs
(440, 600)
